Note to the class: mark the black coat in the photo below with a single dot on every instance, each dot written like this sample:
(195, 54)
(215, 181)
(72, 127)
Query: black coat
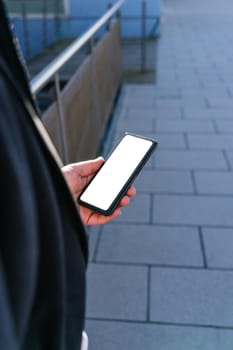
(43, 247)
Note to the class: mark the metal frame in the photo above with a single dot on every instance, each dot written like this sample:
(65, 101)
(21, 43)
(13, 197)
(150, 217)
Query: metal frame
(48, 72)
(51, 72)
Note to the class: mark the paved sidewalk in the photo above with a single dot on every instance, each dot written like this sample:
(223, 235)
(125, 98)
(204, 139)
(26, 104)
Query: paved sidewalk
(161, 276)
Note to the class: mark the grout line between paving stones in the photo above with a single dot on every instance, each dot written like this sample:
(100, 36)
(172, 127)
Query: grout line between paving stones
(97, 244)
(148, 294)
(193, 179)
(214, 122)
(186, 141)
(194, 168)
(203, 251)
(229, 93)
(160, 323)
(207, 104)
(135, 223)
(227, 160)
(188, 194)
(183, 117)
(163, 266)
(151, 215)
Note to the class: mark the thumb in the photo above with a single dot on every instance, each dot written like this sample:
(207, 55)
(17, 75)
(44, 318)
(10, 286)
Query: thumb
(90, 167)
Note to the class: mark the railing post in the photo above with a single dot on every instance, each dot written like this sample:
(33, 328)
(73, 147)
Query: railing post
(108, 23)
(95, 90)
(56, 19)
(143, 37)
(25, 30)
(45, 25)
(118, 15)
(61, 120)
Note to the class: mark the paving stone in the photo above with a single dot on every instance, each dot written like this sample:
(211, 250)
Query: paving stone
(93, 234)
(138, 211)
(188, 73)
(229, 155)
(225, 126)
(193, 84)
(170, 141)
(191, 126)
(137, 91)
(147, 244)
(207, 114)
(190, 160)
(193, 210)
(212, 81)
(216, 96)
(140, 114)
(146, 101)
(153, 113)
(218, 247)
(188, 296)
(167, 75)
(162, 181)
(135, 125)
(214, 182)
(211, 142)
(230, 89)
(195, 101)
(215, 85)
(168, 103)
(166, 112)
(122, 335)
(220, 102)
(165, 141)
(220, 92)
(167, 92)
(117, 292)
(163, 84)
(208, 75)
(154, 92)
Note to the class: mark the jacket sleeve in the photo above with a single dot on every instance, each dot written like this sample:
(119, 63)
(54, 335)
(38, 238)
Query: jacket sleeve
(18, 226)
(7, 331)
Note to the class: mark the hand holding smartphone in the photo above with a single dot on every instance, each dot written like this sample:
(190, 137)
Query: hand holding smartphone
(111, 182)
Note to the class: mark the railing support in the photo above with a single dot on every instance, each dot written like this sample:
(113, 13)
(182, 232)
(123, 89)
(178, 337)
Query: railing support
(45, 25)
(95, 91)
(25, 29)
(108, 22)
(51, 72)
(56, 19)
(47, 73)
(61, 120)
(143, 37)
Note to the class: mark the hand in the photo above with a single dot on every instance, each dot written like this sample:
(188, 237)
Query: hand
(78, 175)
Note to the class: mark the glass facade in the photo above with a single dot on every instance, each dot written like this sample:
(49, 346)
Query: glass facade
(36, 7)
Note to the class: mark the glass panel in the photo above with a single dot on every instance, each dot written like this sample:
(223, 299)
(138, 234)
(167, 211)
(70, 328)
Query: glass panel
(36, 6)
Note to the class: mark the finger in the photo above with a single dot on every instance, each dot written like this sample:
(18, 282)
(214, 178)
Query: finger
(131, 191)
(114, 215)
(124, 201)
(96, 219)
(90, 167)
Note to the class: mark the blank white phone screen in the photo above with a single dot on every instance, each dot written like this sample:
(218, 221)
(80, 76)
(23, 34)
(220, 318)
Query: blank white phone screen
(116, 171)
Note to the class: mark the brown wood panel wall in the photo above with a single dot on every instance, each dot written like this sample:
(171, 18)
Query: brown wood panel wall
(88, 98)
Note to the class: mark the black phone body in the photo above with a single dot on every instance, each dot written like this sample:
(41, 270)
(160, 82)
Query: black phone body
(112, 180)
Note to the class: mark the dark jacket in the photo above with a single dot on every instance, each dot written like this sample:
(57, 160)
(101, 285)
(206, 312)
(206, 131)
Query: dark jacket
(43, 247)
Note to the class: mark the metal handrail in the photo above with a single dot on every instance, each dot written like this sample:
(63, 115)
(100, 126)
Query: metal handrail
(48, 72)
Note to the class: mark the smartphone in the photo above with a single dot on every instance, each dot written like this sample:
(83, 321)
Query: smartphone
(117, 173)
